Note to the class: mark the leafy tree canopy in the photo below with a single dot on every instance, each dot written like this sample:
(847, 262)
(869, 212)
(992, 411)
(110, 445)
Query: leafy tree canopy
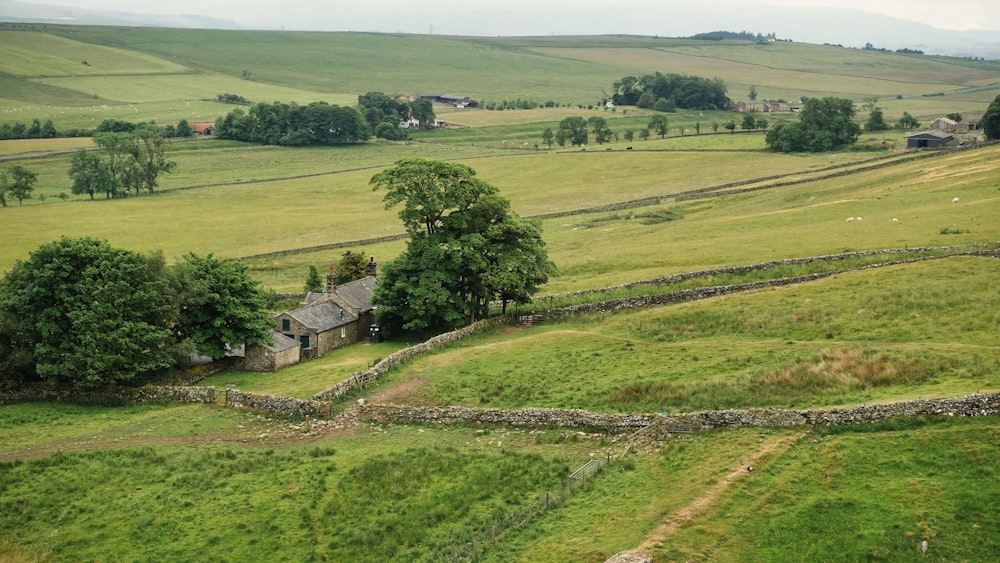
(990, 122)
(89, 314)
(318, 123)
(466, 248)
(82, 312)
(220, 307)
(825, 124)
(687, 92)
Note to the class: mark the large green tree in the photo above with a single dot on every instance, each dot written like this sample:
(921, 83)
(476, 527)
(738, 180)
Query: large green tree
(91, 175)
(466, 248)
(572, 129)
(90, 314)
(20, 183)
(659, 124)
(990, 122)
(220, 307)
(148, 158)
(825, 124)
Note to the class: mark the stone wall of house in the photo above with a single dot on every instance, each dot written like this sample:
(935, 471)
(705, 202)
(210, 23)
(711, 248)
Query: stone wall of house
(260, 359)
(983, 404)
(281, 406)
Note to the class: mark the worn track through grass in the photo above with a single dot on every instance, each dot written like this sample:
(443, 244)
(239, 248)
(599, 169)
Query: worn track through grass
(705, 500)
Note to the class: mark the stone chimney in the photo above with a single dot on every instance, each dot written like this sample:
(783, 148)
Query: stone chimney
(372, 268)
(331, 281)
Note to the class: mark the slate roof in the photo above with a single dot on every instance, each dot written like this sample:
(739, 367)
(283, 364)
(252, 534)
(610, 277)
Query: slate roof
(940, 135)
(323, 316)
(358, 293)
(280, 342)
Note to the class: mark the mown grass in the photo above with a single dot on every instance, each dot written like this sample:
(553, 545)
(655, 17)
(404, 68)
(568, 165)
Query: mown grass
(873, 495)
(894, 333)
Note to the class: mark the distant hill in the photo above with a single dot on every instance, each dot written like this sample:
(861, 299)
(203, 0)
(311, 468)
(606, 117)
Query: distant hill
(849, 28)
(20, 12)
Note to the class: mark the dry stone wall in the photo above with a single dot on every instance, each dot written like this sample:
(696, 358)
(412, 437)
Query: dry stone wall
(361, 379)
(112, 396)
(281, 406)
(983, 404)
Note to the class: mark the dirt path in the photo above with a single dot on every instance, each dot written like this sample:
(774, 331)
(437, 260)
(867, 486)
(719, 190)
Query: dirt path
(700, 504)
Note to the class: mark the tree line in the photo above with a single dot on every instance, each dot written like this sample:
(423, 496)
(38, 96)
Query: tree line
(47, 130)
(320, 123)
(79, 311)
(666, 92)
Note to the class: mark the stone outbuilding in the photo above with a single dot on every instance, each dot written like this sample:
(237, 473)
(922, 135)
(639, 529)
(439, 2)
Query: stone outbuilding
(280, 353)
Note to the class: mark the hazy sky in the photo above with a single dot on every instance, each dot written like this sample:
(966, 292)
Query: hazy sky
(534, 17)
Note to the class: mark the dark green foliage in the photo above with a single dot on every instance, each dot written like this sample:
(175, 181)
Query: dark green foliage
(91, 175)
(548, 137)
(658, 124)
(825, 124)
(219, 305)
(319, 123)
(990, 122)
(233, 98)
(687, 92)
(466, 248)
(93, 315)
(876, 122)
(314, 283)
(351, 266)
(115, 126)
(183, 129)
(599, 126)
(572, 129)
(18, 182)
(907, 121)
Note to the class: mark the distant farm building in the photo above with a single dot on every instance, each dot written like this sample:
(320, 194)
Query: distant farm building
(205, 129)
(970, 123)
(749, 106)
(944, 124)
(460, 102)
(928, 140)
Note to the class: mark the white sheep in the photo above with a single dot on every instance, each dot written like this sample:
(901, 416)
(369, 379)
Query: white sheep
(850, 219)
(857, 219)
(894, 220)
(954, 200)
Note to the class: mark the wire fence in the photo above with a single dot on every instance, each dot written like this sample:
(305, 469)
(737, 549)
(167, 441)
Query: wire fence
(476, 542)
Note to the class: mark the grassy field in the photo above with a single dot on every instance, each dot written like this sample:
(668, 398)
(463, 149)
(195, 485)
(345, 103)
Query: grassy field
(176, 482)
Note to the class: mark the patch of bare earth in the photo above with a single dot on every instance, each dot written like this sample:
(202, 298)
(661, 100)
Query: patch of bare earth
(703, 502)
(399, 393)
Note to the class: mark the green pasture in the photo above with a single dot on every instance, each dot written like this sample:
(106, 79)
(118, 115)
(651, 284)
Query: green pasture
(194, 65)
(304, 380)
(247, 487)
(858, 494)
(308, 204)
(228, 484)
(888, 334)
(36, 54)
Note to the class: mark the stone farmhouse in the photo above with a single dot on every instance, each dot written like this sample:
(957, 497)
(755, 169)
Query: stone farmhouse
(335, 317)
